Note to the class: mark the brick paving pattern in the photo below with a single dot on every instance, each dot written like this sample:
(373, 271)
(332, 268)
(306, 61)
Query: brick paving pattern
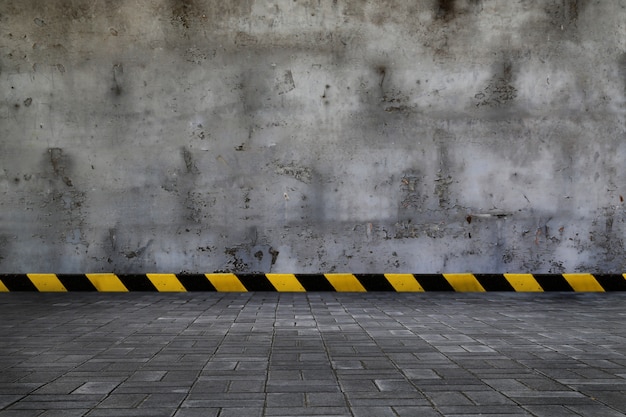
(313, 354)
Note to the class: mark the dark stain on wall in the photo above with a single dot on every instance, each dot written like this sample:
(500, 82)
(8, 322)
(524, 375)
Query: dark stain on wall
(190, 13)
(190, 164)
(60, 163)
(4, 243)
(621, 68)
(118, 73)
(563, 15)
(183, 12)
(445, 9)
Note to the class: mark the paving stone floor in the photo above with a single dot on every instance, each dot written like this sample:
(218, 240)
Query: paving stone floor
(313, 354)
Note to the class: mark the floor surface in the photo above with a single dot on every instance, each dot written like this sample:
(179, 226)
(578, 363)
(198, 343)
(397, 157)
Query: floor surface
(312, 354)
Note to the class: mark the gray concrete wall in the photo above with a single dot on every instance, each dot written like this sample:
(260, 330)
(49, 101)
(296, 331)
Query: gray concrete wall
(312, 136)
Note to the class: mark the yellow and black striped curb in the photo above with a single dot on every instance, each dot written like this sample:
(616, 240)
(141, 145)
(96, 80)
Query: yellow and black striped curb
(223, 282)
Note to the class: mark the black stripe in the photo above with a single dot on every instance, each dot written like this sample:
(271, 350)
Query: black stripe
(374, 282)
(553, 282)
(76, 282)
(314, 282)
(494, 282)
(611, 282)
(195, 282)
(256, 282)
(137, 282)
(433, 282)
(18, 282)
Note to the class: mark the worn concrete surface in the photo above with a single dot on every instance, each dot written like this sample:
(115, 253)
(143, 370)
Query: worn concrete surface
(312, 135)
(321, 354)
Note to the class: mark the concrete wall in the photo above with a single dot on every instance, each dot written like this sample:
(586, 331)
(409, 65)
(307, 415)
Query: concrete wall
(312, 135)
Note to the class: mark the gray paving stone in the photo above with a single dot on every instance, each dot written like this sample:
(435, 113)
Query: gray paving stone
(373, 412)
(21, 413)
(8, 399)
(422, 411)
(240, 412)
(311, 411)
(330, 399)
(132, 412)
(555, 411)
(199, 412)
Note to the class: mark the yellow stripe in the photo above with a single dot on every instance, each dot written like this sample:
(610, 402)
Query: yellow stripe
(226, 282)
(46, 282)
(345, 282)
(285, 282)
(523, 282)
(464, 282)
(106, 282)
(3, 288)
(404, 283)
(166, 283)
(583, 282)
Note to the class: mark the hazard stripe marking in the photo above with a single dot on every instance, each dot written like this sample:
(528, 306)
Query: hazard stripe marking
(345, 283)
(46, 283)
(374, 282)
(523, 282)
(18, 282)
(226, 283)
(76, 282)
(553, 282)
(196, 282)
(404, 283)
(285, 282)
(336, 282)
(256, 282)
(137, 282)
(464, 283)
(494, 282)
(611, 282)
(166, 282)
(106, 282)
(315, 282)
(434, 282)
(583, 282)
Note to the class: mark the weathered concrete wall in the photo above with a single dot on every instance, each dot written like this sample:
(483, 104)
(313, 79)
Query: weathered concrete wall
(312, 135)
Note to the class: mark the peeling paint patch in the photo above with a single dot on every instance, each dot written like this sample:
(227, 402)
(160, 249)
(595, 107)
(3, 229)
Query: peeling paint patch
(303, 174)
(499, 90)
(285, 83)
(248, 258)
(410, 184)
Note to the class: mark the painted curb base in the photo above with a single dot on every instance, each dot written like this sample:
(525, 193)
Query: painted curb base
(225, 282)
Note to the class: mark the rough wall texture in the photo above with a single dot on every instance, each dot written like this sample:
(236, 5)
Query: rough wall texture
(312, 135)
